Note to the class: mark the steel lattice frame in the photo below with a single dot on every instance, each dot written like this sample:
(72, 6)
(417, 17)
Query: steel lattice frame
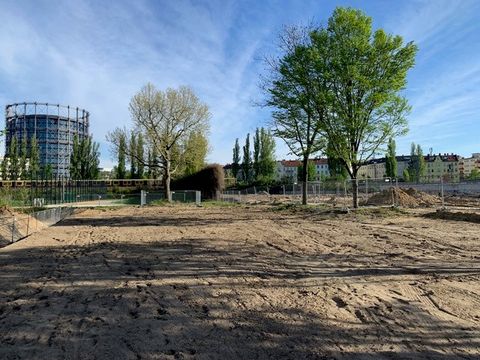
(53, 125)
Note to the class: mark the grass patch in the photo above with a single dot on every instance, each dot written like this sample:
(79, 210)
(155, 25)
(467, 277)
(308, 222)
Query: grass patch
(216, 203)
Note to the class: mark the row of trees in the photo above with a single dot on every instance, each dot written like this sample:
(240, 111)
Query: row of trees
(337, 89)
(22, 162)
(84, 159)
(142, 160)
(171, 127)
(259, 167)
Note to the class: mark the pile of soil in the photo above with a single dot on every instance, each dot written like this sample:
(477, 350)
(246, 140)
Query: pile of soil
(423, 198)
(406, 198)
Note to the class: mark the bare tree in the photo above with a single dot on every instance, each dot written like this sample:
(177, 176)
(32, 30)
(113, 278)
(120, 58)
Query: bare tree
(165, 119)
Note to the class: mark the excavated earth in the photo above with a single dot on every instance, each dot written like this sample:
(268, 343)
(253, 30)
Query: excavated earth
(243, 282)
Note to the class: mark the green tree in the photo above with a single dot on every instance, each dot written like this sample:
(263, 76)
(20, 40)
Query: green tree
(121, 172)
(416, 166)
(196, 153)
(14, 160)
(474, 174)
(84, 159)
(256, 153)
(166, 119)
(133, 156)
(406, 175)
(47, 171)
(422, 166)
(266, 159)
(140, 155)
(247, 161)
(345, 82)
(236, 159)
(365, 72)
(391, 160)
(311, 171)
(336, 167)
(5, 170)
(34, 158)
(290, 92)
(23, 161)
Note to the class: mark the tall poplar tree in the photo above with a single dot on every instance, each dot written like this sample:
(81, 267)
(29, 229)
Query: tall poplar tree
(133, 156)
(236, 159)
(247, 161)
(391, 168)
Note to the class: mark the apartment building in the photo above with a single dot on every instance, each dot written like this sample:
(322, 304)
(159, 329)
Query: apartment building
(376, 168)
(466, 165)
(321, 168)
(287, 170)
(442, 167)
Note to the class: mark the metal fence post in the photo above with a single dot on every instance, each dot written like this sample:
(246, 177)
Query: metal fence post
(443, 199)
(13, 228)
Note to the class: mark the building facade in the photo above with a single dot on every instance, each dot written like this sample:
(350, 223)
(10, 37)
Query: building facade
(442, 167)
(466, 165)
(53, 126)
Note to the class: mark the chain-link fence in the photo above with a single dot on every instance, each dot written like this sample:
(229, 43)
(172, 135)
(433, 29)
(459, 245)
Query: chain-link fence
(371, 192)
(16, 226)
(54, 191)
(182, 196)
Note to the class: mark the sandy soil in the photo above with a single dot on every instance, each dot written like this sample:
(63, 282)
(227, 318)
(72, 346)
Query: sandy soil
(242, 282)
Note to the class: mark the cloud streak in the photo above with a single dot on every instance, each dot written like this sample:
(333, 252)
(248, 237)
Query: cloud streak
(97, 55)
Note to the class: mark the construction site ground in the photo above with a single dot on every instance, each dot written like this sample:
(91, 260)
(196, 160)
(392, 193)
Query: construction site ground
(246, 282)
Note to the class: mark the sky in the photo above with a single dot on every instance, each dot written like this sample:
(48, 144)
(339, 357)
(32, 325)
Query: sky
(97, 54)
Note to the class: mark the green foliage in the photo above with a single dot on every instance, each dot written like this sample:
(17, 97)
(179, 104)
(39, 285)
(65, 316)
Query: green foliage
(5, 174)
(140, 155)
(416, 167)
(336, 167)
(84, 159)
(166, 119)
(264, 156)
(474, 174)
(14, 160)
(236, 159)
(47, 171)
(311, 171)
(256, 152)
(23, 160)
(133, 156)
(406, 175)
(196, 154)
(342, 82)
(34, 158)
(391, 160)
(121, 172)
(247, 160)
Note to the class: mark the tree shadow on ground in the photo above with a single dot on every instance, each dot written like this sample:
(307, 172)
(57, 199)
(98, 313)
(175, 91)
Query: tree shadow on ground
(188, 299)
(454, 216)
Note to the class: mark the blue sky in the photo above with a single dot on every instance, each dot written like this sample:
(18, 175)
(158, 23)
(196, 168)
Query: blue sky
(97, 54)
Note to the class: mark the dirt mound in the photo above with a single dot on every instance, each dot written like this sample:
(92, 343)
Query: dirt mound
(422, 197)
(456, 216)
(405, 198)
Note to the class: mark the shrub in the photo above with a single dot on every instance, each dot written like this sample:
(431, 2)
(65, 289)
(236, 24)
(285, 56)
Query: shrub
(210, 181)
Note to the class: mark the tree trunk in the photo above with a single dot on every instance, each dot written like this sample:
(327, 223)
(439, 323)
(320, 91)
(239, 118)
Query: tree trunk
(168, 176)
(355, 191)
(305, 181)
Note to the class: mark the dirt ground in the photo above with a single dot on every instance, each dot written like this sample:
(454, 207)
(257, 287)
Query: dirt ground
(242, 282)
